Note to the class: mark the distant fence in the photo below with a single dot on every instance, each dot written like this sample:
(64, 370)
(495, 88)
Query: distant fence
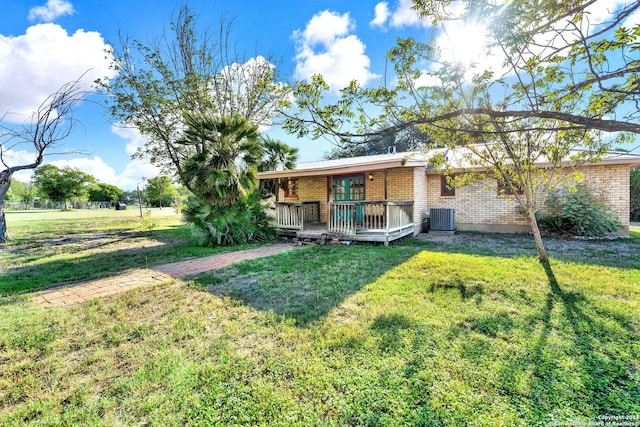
(57, 205)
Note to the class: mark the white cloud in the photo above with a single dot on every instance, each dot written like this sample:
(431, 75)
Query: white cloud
(325, 27)
(632, 20)
(20, 157)
(382, 14)
(133, 174)
(600, 11)
(137, 169)
(38, 63)
(93, 166)
(243, 88)
(51, 10)
(136, 140)
(403, 16)
(326, 47)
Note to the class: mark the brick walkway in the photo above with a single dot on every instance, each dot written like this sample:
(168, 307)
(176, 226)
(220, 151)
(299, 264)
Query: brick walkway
(84, 291)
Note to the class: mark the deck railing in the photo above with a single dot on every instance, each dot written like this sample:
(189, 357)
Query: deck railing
(292, 215)
(386, 217)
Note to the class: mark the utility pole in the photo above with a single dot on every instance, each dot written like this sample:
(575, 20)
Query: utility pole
(139, 200)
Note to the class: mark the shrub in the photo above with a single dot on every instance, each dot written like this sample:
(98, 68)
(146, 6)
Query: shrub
(635, 194)
(552, 223)
(580, 211)
(243, 221)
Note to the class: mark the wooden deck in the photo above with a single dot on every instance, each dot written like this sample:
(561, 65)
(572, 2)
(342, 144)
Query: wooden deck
(364, 221)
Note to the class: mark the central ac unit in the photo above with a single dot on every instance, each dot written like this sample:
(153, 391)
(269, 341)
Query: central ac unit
(441, 219)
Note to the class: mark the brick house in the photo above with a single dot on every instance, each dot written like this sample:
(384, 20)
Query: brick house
(386, 197)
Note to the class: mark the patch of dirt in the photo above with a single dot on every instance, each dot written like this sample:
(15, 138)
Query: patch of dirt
(523, 245)
(107, 241)
(86, 239)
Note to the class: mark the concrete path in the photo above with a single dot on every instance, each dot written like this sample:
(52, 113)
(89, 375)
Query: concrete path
(84, 291)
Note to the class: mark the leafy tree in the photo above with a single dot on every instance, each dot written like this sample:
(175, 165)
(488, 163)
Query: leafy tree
(409, 139)
(558, 66)
(101, 192)
(189, 69)
(160, 191)
(137, 196)
(11, 192)
(183, 195)
(277, 155)
(50, 124)
(21, 191)
(563, 80)
(61, 185)
(635, 194)
(510, 163)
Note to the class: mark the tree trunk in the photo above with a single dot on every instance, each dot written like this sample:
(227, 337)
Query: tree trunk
(4, 188)
(542, 253)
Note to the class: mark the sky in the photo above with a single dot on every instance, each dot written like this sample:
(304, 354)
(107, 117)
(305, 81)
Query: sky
(46, 43)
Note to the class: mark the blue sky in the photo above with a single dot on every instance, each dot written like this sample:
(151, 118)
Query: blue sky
(45, 43)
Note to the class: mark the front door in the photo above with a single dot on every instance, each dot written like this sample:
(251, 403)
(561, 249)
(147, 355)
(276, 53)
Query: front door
(350, 189)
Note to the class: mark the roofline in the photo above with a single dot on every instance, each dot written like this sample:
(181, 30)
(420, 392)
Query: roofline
(344, 169)
(631, 159)
(369, 164)
(631, 162)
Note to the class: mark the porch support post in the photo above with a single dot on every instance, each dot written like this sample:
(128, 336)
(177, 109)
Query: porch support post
(386, 208)
(385, 185)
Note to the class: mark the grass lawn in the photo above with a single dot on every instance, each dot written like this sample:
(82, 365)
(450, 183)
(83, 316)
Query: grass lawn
(437, 333)
(50, 248)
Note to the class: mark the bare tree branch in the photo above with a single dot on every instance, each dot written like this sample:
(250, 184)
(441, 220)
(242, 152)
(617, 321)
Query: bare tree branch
(49, 125)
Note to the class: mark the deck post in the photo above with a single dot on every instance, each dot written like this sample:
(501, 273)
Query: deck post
(386, 213)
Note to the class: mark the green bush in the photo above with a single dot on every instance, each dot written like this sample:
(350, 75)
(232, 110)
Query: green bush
(552, 223)
(244, 221)
(580, 211)
(635, 194)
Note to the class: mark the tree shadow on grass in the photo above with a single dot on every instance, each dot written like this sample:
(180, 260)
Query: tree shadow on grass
(303, 285)
(617, 253)
(466, 291)
(401, 346)
(575, 364)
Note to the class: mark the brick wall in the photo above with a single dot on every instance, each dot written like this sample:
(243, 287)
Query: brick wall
(400, 184)
(314, 189)
(374, 190)
(615, 181)
(478, 208)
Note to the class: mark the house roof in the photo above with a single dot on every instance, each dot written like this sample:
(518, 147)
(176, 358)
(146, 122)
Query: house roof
(351, 165)
(455, 158)
(460, 158)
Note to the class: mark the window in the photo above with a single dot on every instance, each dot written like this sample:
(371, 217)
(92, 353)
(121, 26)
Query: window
(348, 188)
(291, 188)
(446, 189)
(504, 190)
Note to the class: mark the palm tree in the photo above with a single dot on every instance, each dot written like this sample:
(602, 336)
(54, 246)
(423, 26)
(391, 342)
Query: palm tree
(277, 155)
(224, 167)
(223, 176)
